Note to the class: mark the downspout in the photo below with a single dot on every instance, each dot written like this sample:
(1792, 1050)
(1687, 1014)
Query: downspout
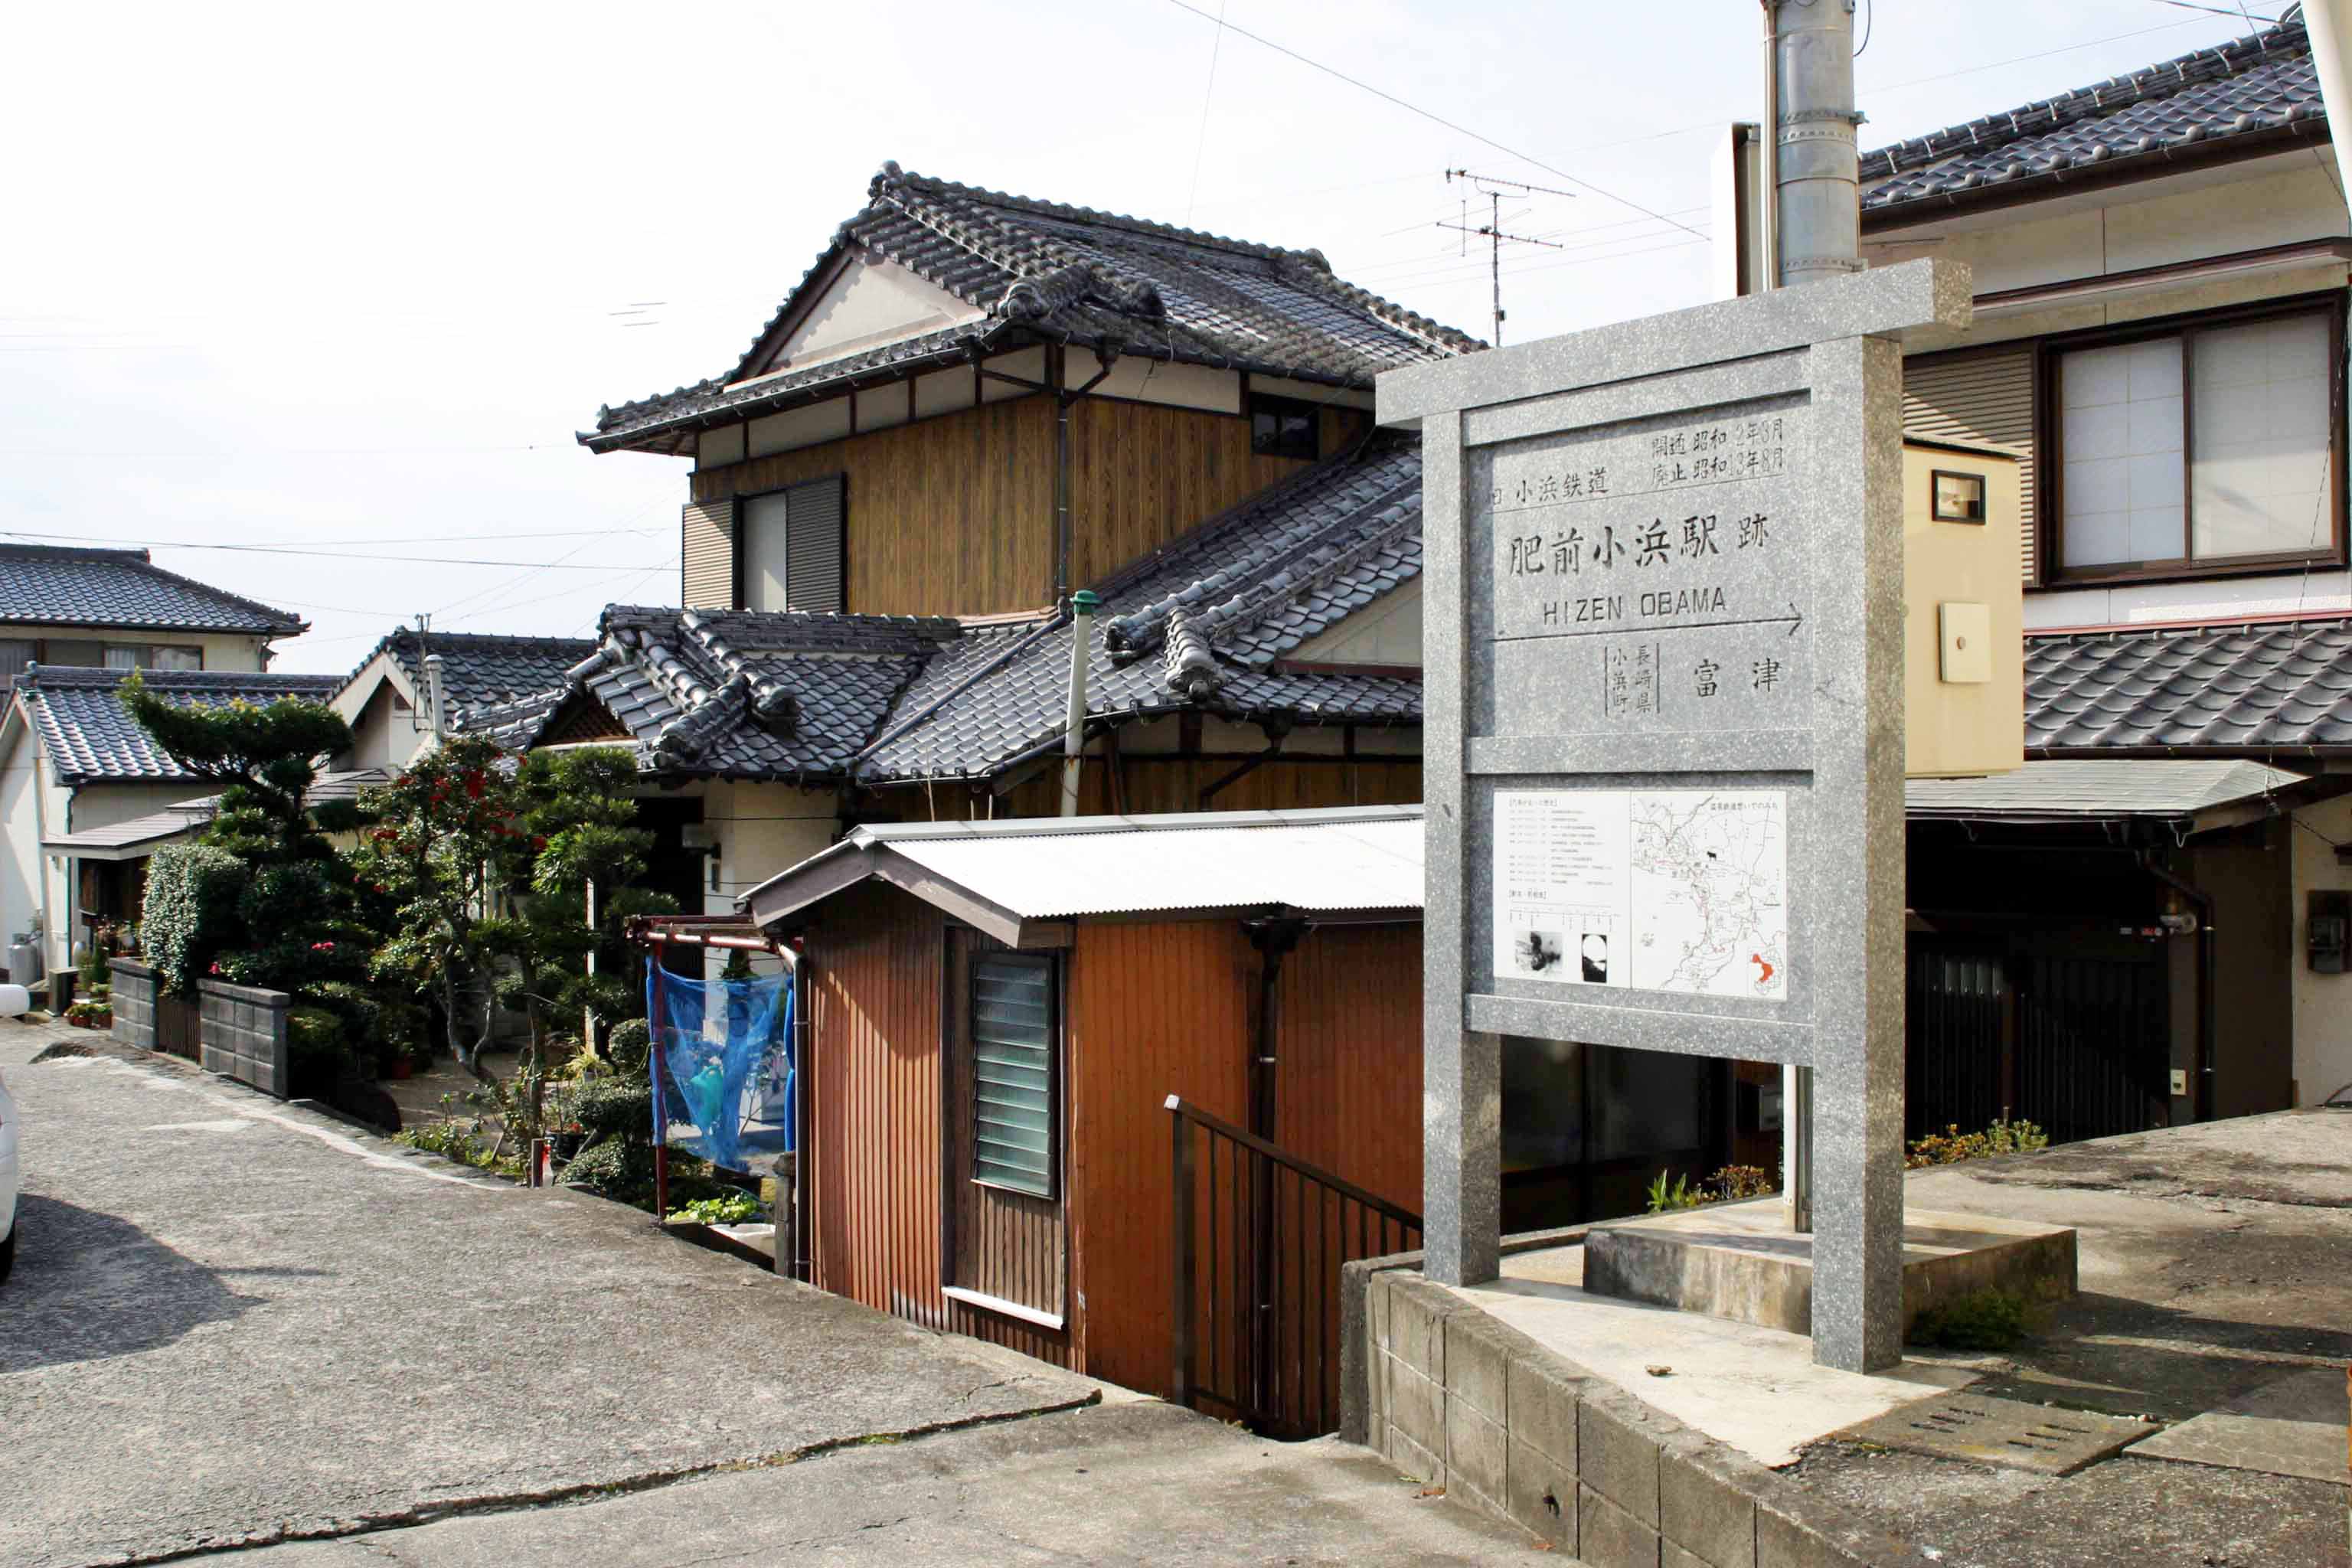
(2329, 23)
(1074, 724)
(1065, 396)
(1273, 939)
(2208, 978)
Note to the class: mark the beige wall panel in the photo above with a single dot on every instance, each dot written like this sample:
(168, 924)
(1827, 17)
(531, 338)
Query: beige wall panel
(715, 448)
(797, 427)
(1954, 730)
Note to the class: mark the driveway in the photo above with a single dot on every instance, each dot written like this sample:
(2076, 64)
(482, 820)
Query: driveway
(234, 1322)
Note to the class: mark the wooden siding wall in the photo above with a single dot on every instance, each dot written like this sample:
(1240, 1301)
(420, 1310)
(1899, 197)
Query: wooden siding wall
(1154, 1010)
(1149, 784)
(1141, 475)
(1984, 396)
(1347, 1086)
(952, 515)
(875, 1098)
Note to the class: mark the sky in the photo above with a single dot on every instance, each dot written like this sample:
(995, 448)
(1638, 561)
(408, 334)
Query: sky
(337, 286)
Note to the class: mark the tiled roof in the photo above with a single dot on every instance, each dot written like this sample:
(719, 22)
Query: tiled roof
(478, 668)
(882, 699)
(66, 584)
(2261, 83)
(91, 737)
(1042, 271)
(2280, 687)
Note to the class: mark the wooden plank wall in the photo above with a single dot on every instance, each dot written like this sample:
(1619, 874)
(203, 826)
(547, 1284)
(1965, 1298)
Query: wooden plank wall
(952, 515)
(1146, 784)
(1347, 1092)
(1154, 1010)
(875, 1098)
(1141, 475)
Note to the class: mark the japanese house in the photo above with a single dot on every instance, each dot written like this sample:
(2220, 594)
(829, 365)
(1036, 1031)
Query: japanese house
(88, 794)
(974, 405)
(2160, 271)
(74, 622)
(388, 700)
(998, 1014)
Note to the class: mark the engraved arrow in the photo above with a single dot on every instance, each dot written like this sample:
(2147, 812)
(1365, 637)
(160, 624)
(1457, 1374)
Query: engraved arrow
(1792, 620)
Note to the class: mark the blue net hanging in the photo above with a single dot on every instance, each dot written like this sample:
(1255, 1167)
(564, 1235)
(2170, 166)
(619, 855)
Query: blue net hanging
(722, 1068)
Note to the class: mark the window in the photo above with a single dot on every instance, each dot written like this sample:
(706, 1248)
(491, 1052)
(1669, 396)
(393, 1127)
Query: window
(790, 547)
(16, 653)
(2192, 447)
(140, 656)
(1013, 1036)
(1283, 427)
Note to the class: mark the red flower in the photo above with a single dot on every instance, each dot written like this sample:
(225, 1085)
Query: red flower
(539, 843)
(322, 947)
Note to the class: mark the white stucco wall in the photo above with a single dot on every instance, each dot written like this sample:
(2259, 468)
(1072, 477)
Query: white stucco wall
(20, 854)
(2323, 1002)
(1388, 632)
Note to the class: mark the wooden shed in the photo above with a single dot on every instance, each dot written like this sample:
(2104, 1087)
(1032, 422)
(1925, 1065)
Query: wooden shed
(999, 1016)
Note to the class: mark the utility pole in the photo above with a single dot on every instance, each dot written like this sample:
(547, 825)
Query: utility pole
(1816, 232)
(1492, 229)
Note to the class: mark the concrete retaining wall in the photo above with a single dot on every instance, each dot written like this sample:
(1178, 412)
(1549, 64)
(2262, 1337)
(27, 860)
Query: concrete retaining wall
(134, 990)
(245, 1033)
(1455, 1398)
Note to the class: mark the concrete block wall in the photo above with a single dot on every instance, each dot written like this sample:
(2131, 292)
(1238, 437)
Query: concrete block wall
(1455, 1399)
(244, 1034)
(134, 988)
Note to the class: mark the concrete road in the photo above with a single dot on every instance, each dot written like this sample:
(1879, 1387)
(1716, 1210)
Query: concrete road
(234, 1324)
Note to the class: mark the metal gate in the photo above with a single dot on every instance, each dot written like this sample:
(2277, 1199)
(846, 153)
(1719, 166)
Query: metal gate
(2080, 1044)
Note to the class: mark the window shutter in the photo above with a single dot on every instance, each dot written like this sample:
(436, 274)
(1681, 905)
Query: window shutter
(1985, 396)
(812, 547)
(1013, 1038)
(707, 549)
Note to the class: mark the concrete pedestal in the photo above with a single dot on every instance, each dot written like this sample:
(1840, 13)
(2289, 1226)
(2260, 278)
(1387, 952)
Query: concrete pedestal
(1740, 1262)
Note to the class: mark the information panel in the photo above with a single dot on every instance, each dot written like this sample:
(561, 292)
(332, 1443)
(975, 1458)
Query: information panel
(1662, 890)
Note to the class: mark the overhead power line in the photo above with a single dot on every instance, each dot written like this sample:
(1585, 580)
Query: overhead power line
(329, 554)
(1459, 129)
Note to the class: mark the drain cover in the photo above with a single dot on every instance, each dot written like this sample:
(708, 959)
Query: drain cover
(2004, 1432)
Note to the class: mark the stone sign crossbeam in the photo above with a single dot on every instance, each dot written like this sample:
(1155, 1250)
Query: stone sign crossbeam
(1663, 748)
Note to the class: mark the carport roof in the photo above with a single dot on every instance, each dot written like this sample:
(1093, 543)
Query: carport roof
(2061, 790)
(1338, 862)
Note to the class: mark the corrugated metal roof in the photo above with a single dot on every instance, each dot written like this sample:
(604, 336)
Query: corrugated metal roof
(2095, 788)
(1312, 861)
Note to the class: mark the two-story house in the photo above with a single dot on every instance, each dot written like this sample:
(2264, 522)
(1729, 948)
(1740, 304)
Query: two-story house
(388, 700)
(73, 624)
(2147, 922)
(973, 406)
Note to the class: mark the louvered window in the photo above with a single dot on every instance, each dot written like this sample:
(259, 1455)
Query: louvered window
(1014, 1037)
(790, 547)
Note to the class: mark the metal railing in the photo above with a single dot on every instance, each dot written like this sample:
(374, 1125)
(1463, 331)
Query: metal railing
(1258, 1242)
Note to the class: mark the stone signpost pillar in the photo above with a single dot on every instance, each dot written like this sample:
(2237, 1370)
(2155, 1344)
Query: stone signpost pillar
(1663, 749)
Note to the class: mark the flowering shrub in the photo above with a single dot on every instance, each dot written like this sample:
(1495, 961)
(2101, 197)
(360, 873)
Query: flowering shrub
(191, 910)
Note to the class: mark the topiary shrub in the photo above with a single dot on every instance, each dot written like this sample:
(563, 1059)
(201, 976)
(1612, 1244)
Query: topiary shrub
(191, 910)
(616, 1170)
(630, 1047)
(616, 1108)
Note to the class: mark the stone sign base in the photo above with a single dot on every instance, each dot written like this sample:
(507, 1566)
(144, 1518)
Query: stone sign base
(1740, 1262)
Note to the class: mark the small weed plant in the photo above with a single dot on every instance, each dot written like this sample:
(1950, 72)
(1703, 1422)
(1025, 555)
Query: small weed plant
(734, 1208)
(1951, 1146)
(1669, 1191)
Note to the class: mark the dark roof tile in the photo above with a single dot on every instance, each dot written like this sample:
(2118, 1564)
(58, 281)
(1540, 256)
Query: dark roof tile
(91, 737)
(2278, 686)
(70, 585)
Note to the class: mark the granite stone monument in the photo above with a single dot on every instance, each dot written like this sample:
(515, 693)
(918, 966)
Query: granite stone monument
(1663, 744)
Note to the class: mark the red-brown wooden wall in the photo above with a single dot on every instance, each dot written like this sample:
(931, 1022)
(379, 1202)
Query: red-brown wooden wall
(1150, 1009)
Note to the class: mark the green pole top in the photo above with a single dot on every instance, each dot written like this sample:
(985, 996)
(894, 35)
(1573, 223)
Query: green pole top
(1084, 600)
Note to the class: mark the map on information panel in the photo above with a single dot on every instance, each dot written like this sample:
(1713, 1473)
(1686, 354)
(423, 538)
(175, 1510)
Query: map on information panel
(1667, 890)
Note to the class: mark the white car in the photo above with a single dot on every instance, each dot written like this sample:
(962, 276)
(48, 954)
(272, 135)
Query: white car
(13, 1000)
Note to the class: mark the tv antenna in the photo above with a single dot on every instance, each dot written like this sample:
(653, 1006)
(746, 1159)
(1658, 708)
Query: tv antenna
(1492, 229)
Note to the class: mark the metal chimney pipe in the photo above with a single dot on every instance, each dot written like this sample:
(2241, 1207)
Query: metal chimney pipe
(439, 716)
(1073, 725)
(1818, 220)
